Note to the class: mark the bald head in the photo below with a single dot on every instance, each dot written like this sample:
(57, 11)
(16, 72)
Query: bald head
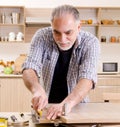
(63, 10)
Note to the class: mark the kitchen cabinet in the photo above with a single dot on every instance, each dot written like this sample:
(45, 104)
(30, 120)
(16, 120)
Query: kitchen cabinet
(12, 24)
(14, 96)
(106, 84)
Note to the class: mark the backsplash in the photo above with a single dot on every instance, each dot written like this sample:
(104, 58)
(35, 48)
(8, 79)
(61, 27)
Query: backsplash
(10, 51)
(110, 53)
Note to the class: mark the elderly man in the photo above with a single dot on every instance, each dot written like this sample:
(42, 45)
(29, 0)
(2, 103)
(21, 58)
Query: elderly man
(65, 59)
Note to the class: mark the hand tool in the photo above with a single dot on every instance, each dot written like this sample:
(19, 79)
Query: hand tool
(17, 122)
(36, 116)
(22, 115)
(64, 109)
(13, 118)
(3, 121)
(39, 112)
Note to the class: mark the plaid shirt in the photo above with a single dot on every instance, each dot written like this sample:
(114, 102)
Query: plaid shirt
(44, 54)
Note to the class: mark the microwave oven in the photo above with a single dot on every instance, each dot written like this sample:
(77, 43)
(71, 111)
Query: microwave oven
(109, 68)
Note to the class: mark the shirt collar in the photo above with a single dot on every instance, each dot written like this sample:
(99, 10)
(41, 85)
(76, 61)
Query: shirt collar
(77, 44)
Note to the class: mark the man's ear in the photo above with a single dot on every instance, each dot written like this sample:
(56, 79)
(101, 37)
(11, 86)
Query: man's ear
(79, 25)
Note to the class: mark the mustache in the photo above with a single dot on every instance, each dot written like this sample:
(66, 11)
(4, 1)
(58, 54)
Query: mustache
(58, 42)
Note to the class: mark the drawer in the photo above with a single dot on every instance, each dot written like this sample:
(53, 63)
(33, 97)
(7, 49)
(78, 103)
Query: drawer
(96, 95)
(108, 81)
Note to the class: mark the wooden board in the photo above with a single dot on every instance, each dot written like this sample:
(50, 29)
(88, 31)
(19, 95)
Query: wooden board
(94, 113)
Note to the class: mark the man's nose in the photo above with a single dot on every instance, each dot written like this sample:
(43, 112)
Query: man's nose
(62, 38)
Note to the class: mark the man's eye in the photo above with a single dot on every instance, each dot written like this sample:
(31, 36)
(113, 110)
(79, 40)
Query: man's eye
(55, 32)
(69, 32)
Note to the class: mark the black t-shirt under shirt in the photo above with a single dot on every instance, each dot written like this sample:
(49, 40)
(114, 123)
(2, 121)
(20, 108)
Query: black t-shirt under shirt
(59, 89)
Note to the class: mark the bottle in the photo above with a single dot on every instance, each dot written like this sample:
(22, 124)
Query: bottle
(119, 39)
(3, 18)
(103, 39)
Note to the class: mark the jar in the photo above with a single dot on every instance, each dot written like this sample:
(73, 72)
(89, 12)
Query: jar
(103, 39)
(2, 39)
(118, 38)
(113, 39)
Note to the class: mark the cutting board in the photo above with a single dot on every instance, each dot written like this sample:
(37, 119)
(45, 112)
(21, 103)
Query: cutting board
(18, 63)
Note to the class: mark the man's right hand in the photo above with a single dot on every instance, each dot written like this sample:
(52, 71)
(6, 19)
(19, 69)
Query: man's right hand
(39, 100)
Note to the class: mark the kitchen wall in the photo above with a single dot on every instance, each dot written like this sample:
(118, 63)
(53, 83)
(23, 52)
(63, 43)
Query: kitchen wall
(53, 3)
(12, 51)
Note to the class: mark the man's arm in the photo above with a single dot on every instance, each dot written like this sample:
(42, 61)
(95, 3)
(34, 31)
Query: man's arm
(75, 97)
(78, 93)
(31, 81)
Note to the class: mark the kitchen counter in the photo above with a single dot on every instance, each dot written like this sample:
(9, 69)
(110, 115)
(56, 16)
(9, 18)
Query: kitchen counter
(108, 75)
(99, 75)
(10, 75)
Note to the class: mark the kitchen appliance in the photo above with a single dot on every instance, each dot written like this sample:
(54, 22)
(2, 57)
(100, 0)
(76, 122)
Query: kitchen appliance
(108, 68)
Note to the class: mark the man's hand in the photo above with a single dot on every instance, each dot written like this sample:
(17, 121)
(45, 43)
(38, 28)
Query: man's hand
(39, 100)
(56, 110)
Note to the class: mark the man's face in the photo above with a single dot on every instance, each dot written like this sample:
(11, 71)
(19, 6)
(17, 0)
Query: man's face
(65, 31)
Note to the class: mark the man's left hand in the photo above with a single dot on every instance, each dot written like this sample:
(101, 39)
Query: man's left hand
(54, 111)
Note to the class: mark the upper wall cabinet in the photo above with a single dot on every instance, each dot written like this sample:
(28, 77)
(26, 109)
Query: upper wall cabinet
(12, 24)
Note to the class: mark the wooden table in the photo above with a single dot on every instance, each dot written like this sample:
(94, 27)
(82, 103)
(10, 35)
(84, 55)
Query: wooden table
(89, 114)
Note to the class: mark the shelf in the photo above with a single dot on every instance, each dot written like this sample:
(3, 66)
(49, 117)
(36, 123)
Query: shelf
(12, 20)
(110, 25)
(12, 24)
(33, 21)
(90, 25)
(9, 42)
(110, 43)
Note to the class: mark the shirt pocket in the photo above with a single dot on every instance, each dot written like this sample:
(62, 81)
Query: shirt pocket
(46, 57)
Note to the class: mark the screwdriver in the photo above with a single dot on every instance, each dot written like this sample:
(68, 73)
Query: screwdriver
(14, 119)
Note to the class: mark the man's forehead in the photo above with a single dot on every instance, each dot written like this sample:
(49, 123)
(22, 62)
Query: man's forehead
(65, 31)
